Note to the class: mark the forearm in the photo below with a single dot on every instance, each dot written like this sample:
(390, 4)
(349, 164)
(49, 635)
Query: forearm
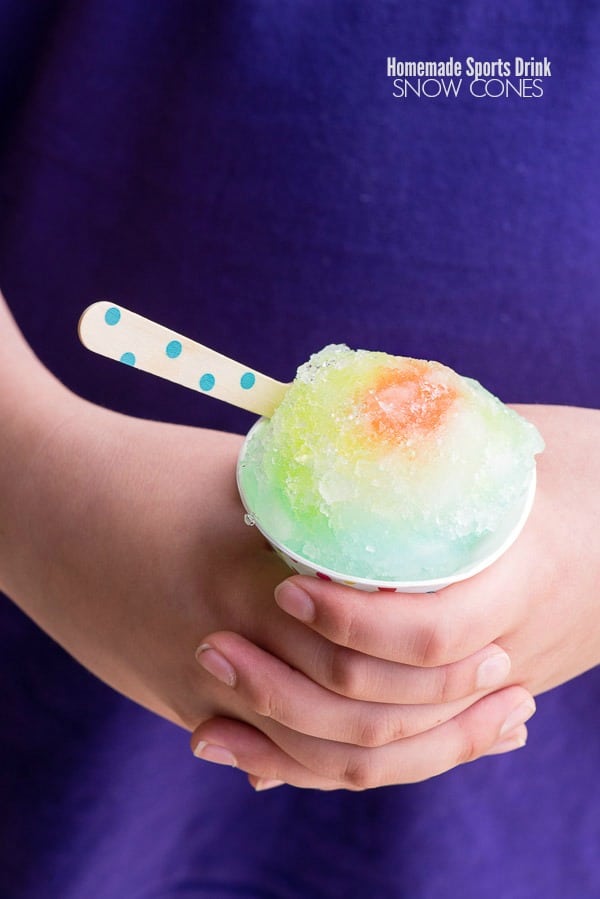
(25, 384)
(32, 400)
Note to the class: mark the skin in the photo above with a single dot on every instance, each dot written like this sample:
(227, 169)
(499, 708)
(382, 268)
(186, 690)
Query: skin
(537, 603)
(124, 540)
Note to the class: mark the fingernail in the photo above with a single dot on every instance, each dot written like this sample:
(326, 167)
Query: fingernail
(493, 671)
(507, 745)
(265, 784)
(216, 664)
(295, 601)
(520, 715)
(218, 754)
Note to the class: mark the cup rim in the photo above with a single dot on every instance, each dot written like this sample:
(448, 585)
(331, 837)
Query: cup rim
(467, 571)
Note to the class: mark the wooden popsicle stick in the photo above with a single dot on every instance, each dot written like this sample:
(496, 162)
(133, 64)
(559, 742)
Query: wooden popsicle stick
(117, 333)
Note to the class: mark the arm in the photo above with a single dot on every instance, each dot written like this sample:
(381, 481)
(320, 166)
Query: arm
(124, 540)
(32, 403)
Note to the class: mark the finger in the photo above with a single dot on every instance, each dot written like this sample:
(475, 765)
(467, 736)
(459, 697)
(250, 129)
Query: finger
(415, 629)
(272, 689)
(234, 743)
(463, 738)
(229, 742)
(359, 676)
(515, 740)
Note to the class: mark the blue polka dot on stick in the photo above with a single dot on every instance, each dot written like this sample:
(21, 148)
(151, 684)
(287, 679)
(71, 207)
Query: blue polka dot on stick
(207, 381)
(173, 349)
(248, 380)
(128, 359)
(112, 316)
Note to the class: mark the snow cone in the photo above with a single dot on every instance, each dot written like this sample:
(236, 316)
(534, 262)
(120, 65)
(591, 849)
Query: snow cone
(387, 472)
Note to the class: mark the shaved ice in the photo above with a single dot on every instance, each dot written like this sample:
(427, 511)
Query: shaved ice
(386, 467)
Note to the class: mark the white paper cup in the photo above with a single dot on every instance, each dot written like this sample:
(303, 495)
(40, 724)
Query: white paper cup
(488, 550)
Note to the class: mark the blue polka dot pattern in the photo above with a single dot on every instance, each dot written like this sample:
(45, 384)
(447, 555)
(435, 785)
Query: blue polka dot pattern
(112, 315)
(128, 359)
(207, 381)
(173, 349)
(248, 380)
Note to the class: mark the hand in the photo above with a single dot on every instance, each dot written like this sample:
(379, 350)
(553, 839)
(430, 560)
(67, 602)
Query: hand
(537, 602)
(124, 539)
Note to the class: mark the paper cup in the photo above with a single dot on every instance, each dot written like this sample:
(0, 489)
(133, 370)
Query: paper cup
(488, 550)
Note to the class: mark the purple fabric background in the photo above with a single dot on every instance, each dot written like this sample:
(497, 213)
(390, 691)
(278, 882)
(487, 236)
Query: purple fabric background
(241, 172)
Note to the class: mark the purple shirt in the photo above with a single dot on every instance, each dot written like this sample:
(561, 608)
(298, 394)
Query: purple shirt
(243, 173)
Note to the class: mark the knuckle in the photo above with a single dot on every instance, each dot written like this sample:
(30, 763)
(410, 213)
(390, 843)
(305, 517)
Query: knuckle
(378, 728)
(344, 674)
(264, 702)
(429, 649)
(358, 772)
(444, 684)
(434, 643)
(347, 626)
(469, 748)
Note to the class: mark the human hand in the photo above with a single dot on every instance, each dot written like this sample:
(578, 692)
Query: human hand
(127, 545)
(537, 602)
(380, 720)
